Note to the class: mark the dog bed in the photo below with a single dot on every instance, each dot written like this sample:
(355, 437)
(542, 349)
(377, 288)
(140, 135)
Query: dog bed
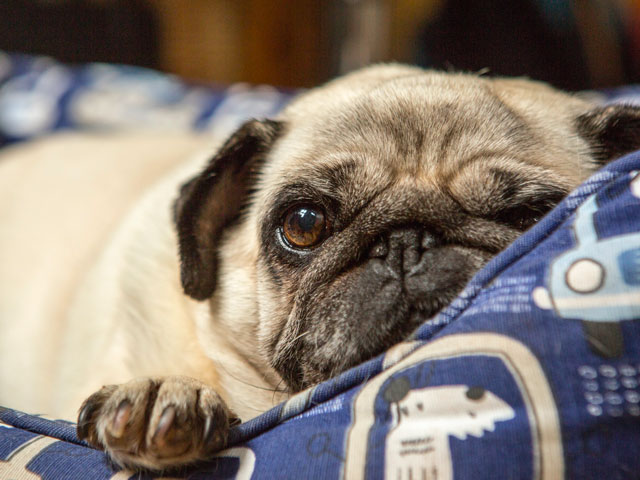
(532, 372)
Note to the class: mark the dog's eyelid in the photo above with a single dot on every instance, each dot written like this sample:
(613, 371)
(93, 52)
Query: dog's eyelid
(517, 187)
(301, 194)
(531, 199)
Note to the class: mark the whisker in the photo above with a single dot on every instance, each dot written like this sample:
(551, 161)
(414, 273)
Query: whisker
(286, 349)
(286, 390)
(274, 390)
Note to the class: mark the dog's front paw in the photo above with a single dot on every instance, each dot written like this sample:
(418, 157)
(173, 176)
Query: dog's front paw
(156, 423)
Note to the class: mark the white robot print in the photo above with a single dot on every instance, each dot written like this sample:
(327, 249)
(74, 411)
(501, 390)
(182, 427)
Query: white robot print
(417, 445)
(597, 282)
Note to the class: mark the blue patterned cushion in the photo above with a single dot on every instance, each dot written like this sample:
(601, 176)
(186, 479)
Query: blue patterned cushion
(39, 95)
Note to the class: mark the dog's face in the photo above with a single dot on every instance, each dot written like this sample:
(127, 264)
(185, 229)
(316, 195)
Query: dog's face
(369, 204)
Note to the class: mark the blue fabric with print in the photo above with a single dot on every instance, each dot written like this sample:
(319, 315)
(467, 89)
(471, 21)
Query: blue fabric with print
(532, 372)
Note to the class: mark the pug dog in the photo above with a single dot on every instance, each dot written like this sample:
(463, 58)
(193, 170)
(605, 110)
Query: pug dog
(306, 245)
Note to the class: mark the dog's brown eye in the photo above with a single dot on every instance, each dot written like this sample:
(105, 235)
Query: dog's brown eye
(304, 226)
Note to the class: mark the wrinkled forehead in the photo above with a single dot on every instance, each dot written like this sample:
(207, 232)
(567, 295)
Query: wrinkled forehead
(401, 130)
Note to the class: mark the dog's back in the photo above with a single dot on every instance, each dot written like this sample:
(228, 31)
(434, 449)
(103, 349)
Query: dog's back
(61, 199)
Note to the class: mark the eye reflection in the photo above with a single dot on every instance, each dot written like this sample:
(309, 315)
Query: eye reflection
(304, 226)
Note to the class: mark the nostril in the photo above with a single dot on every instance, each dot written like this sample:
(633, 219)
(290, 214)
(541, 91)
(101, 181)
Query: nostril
(380, 249)
(405, 243)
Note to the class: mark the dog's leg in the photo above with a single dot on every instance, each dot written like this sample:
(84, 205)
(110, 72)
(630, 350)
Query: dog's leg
(156, 423)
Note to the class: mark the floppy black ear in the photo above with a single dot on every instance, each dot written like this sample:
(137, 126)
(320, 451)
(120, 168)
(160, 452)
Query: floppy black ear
(611, 131)
(208, 203)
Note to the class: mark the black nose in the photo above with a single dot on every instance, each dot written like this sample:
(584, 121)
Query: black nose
(402, 248)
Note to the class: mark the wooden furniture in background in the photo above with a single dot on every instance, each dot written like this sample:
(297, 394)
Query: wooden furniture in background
(301, 43)
(277, 42)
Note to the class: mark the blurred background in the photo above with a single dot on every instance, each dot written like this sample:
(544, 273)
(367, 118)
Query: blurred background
(573, 44)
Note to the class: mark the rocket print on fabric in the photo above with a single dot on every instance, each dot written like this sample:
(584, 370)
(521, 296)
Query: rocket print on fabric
(598, 281)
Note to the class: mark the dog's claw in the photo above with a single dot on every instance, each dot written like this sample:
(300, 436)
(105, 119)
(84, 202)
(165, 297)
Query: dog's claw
(164, 425)
(89, 410)
(207, 431)
(212, 435)
(121, 419)
(84, 417)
